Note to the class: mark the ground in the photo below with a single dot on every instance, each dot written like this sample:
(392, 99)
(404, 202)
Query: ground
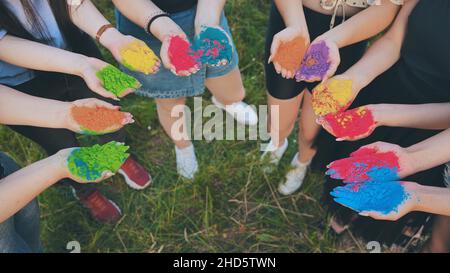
(231, 206)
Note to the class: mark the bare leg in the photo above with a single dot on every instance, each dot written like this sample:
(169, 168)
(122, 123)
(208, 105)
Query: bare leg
(281, 127)
(227, 89)
(308, 130)
(165, 107)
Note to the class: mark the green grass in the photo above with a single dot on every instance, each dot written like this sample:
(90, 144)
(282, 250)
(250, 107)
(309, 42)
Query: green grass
(232, 206)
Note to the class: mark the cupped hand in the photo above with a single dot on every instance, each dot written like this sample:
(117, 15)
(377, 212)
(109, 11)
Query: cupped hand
(213, 46)
(135, 55)
(177, 55)
(88, 71)
(350, 125)
(287, 51)
(379, 161)
(98, 111)
(333, 95)
(63, 157)
(380, 200)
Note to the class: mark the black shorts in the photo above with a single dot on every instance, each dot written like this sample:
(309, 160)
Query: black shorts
(318, 24)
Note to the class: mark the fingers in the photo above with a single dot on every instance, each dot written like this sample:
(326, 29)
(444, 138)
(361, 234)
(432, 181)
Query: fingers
(95, 103)
(366, 150)
(128, 119)
(378, 216)
(278, 67)
(104, 93)
(275, 45)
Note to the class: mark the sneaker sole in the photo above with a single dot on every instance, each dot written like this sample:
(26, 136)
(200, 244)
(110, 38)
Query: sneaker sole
(131, 183)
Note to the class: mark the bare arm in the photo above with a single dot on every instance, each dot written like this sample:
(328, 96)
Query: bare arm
(37, 56)
(140, 11)
(292, 13)
(19, 188)
(432, 116)
(431, 152)
(384, 53)
(208, 13)
(433, 200)
(17, 108)
(363, 25)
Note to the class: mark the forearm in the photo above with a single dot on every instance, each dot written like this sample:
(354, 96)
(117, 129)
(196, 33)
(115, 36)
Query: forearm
(140, 11)
(19, 188)
(384, 53)
(433, 200)
(17, 108)
(292, 13)
(209, 12)
(432, 116)
(37, 56)
(87, 17)
(431, 152)
(363, 25)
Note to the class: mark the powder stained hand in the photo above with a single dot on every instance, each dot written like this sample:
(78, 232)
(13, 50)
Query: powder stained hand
(367, 164)
(315, 64)
(137, 56)
(89, 163)
(117, 82)
(376, 196)
(97, 120)
(352, 124)
(213, 46)
(181, 55)
(290, 54)
(333, 96)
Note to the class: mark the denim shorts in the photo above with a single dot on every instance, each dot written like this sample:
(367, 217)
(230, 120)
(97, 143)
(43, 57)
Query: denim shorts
(165, 84)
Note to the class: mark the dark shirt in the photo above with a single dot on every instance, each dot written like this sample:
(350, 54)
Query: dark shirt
(174, 6)
(425, 48)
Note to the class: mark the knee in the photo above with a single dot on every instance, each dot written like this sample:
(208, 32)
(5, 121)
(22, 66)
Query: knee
(167, 105)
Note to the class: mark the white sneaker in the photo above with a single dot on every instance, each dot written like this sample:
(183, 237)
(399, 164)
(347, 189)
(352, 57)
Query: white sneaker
(275, 154)
(295, 177)
(241, 111)
(187, 164)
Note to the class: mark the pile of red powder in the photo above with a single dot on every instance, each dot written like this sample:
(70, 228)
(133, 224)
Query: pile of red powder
(181, 54)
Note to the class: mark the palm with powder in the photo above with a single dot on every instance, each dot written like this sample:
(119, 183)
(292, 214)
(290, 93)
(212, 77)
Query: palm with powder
(95, 108)
(404, 208)
(352, 124)
(63, 156)
(287, 51)
(135, 55)
(379, 161)
(333, 95)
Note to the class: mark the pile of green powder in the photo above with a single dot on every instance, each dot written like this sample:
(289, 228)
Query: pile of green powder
(88, 163)
(115, 81)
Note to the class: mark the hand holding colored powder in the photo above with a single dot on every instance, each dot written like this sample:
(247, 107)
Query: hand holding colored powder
(137, 56)
(366, 164)
(287, 56)
(315, 64)
(94, 117)
(179, 57)
(378, 197)
(213, 46)
(91, 164)
(350, 125)
(332, 96)
(117, 82)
